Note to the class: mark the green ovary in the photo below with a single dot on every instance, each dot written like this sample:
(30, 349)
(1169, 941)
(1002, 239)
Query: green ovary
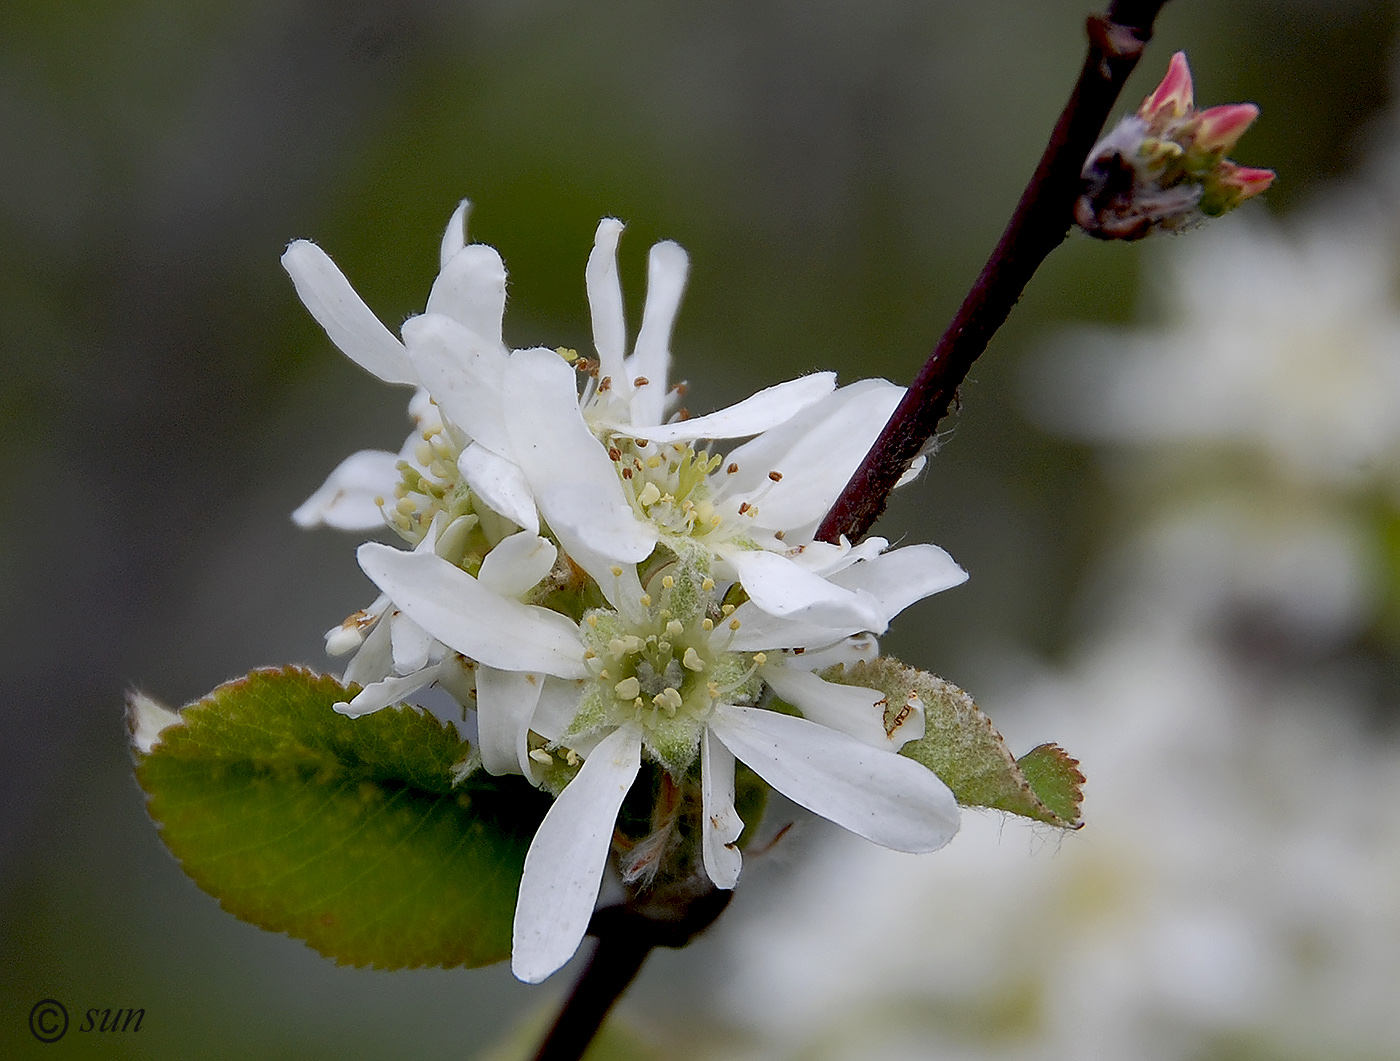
(663, 672)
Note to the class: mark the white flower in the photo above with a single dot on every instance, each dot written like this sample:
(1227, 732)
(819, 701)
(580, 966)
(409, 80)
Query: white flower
(608, 477)
(676, 676)
(1286, 343)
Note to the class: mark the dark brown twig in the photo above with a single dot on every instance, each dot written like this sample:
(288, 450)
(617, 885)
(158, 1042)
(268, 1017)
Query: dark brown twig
(1039, 225)
(626, 935)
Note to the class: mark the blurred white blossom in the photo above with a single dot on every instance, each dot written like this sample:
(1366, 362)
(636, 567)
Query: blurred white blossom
(1236, 890)
(1282, 339)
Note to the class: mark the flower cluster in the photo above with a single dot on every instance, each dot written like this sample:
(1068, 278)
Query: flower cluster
(1164, 168)
(608, 591)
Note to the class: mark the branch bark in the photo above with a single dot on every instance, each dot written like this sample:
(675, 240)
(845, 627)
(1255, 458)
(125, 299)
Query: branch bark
(626, 936)
(1040, 224)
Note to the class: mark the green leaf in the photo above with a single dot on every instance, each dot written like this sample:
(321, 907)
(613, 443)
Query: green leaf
(963, 748)
(359, 836)
(1056, 779)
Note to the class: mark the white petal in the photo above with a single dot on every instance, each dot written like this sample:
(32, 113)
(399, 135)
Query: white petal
(756, 413)
(411, 644)
(557, 707)
(471, 289)
(618, 582)
(758, 632)
(451, 541)
(916, 466)
(816, 452)
(505, 702)
(463, 614)
(721, 823)
(826, 559)
(900, 577)
(345, 500)
(391, 690)
(667, 266)
(859, 648)
(351, 325)
(425, 416)
(573, 480)
(454, 237)
(605, 305)
(876, 794)
(517, 563)
(501, 484)
(564, 865)
(780, 587)
(850, 709)
(147, 720)
(463, 371)
(375, 659)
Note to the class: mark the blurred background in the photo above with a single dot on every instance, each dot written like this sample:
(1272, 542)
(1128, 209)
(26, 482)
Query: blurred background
(1174, 480)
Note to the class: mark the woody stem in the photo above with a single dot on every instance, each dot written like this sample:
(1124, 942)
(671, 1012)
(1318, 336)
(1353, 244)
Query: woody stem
(1040, 223)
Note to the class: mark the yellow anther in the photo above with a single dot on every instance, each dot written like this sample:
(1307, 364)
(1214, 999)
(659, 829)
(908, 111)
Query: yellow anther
(734, 624)
(669, 698)
(593, 621)
(760, 658)
(716, 520)
(726, 609)
(646, 600)
(692, 661)
(616, 571)
(378, 502)
(707, 624)
(405, 506)
(571, 757)
(674, 628)
(649, 496)
(668, 582)
(423, 452)
(654, 461)
(627, 689)
(708, 585)
(543, 757)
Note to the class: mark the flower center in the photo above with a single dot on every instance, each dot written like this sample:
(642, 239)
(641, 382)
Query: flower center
(665, 672)
(668, 485)
(428, 485)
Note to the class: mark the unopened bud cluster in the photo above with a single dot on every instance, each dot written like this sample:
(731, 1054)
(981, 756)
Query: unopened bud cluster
(1164, 168)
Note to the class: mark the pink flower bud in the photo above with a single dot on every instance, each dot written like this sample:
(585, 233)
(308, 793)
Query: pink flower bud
(1173, 97)
(1247, 179)
(1164, 169)
(1220, 128)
